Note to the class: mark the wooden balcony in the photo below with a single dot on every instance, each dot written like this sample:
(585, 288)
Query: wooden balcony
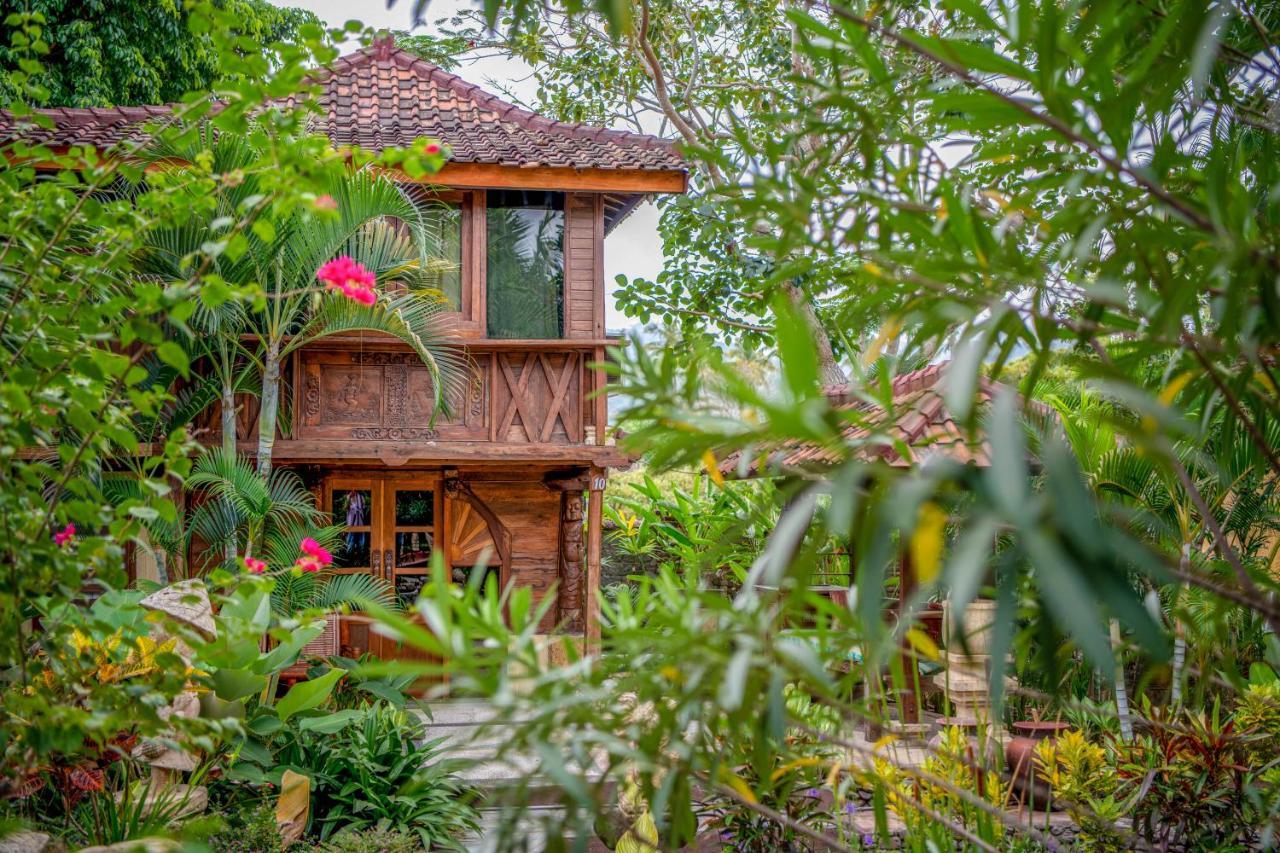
(523, 401)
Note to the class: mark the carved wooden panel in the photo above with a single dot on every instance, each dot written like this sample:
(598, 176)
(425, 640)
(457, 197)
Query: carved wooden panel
(385, 396)
(537, 397)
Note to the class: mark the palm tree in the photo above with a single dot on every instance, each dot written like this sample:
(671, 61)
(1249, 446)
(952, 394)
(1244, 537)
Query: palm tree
(1227, 472)
(374, 222)
(269, 516)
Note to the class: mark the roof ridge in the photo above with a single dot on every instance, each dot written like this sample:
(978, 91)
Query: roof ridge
(382, 95)
(509, 111)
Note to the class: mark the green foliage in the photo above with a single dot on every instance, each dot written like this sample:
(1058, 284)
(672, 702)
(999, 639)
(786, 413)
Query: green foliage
(708, 74)
(251, 829)
(125, 52)
(1258, 712)
(1188, 781)
(91, 348)
(716, 530)
(375, 841)
(1082, 775)
(376, 772)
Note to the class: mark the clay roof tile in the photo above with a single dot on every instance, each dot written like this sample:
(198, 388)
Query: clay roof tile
(384, 96)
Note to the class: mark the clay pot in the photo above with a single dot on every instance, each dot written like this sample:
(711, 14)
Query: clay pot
(975, 626)
(1020, 756)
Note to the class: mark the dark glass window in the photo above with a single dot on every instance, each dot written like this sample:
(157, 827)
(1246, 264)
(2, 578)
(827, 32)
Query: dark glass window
(525, 270)
(443, 221)
(351, 508)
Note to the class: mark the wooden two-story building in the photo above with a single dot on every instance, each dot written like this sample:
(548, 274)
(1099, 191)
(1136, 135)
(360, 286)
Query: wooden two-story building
(524, 204)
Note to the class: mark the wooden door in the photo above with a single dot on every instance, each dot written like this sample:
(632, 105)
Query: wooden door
(390, 532)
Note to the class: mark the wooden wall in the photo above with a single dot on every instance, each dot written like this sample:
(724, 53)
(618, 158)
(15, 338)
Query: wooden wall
(531, 514)
(584, 266)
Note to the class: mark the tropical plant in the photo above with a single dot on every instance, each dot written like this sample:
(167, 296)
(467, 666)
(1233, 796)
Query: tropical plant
(364, 216)
(719, 527)
(127, 52)
(250, 828)
(377, 771)
(1082, 775)
(1187, 782)
(263, 515)
(375, 841)
(133, 808)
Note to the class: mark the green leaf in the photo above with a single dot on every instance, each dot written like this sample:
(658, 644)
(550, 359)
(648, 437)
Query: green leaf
(796, 350)
(232, 684)
(175, 356)
(1260, 673)
(330, 723)
(309, 694)
(265, 723)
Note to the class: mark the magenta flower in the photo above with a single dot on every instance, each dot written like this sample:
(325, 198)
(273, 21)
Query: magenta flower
(431, 148)
(308, 564)
(255, 566)
(65, 535)
(346, 275)
(313, 549)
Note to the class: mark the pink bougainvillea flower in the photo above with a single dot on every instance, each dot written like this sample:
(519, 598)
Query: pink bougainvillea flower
(346, 275)
(65, 535)
(312, 548)
(431, 148)
(325, 202)
(256, 566)
(308, 564)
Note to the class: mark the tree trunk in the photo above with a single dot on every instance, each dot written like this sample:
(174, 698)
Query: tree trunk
(228, 417)
(1179, 632)
(229, 449)
(1122, 695)
(829, 370)
(269, 409)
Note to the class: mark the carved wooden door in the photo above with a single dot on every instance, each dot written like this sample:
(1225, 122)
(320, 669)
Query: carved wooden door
(390, 532)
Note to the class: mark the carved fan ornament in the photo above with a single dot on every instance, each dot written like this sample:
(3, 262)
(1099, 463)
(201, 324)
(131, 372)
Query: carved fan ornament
(469, 538)
(473, 528)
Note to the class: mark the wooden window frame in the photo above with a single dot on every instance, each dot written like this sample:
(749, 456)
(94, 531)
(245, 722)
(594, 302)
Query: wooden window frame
(469, 320)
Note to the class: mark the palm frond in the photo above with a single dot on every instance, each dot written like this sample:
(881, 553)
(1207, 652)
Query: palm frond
(353, 590)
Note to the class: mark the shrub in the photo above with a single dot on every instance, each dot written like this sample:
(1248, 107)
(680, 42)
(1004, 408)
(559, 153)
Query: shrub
(1080, 775)
(378, 841)
(377, 772)
(1258, 713)
(250, 830)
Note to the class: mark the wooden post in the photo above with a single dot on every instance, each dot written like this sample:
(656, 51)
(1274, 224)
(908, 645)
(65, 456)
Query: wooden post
(906, 587)
(595, 532)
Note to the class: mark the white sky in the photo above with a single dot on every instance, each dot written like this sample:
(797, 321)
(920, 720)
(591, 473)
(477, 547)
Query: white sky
(632, 249)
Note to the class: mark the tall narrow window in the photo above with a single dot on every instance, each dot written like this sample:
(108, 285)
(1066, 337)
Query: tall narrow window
(443, 221)
(525, 264)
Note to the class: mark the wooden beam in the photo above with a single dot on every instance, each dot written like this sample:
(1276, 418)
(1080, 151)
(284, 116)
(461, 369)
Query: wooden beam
(381, 341)
(595, 539)
(427, 453)
(910, 671)
(578, 481)
(564, 178)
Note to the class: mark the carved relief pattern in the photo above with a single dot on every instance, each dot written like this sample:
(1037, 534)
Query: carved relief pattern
(396, 384)
(350, 396)
(477, 393)
(571, 601)
(384, 358)
(313, 395)
(394, 434)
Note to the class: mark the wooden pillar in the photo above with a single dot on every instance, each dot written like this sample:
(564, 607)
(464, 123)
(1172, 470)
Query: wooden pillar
(907, 585)
(570, 602)
(595, 533)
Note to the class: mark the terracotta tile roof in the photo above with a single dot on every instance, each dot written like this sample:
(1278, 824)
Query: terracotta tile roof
(383, 96)
(918, 418)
